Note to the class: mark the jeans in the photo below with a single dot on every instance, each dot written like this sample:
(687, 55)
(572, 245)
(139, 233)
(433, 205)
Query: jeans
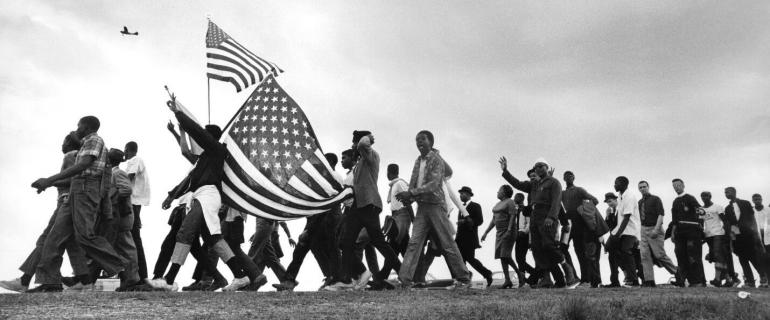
(367, 218)
(432, 218)
(262, 251)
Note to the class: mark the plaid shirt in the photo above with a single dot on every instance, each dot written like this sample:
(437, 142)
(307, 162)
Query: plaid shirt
(93, 145)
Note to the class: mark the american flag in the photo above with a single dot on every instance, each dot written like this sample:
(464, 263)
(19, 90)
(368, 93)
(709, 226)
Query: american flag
(276, 168)
(227, 60)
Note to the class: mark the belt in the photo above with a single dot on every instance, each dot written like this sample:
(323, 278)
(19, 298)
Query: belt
(688, 222)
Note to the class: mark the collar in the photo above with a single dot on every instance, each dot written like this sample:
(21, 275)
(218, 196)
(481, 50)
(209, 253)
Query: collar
(392, 182)
(681, 195)
(88, 136)
(428, 156)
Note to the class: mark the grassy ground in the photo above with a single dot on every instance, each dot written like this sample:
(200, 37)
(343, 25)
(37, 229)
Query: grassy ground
(668, 303)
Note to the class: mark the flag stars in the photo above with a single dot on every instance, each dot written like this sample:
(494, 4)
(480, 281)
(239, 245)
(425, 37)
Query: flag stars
(304, 124)
(275, 141)
(244, 141)
(254, 117)
(277, 165)
(253, 140)
(263, 129)
(264, 108)
(283, 119)
(265, 165)
(275, 90)
(284, 131)
(308, 146)
(265, 99)
(274, 129)
(288, 166)
(294, 121)
(306, 134)
(286, 142)
(283, 109)
(298, 155)
(276, 154)
(296, 144)
(293, 109)
(254, 129)
(263, 141)
(283, 100)
(274, 108)
(295, 132)
(253, 153)
(236, 130)
(274, 99)
(269, 80)
(287, 154)
(274, 118)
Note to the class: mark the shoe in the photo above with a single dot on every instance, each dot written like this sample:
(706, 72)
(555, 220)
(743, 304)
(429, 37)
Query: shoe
(69, 281)
(521, 279)
(46, 288)
(258, 282)
(13, 285)
(379, 285)
(139, 286)
(286, 285)
(339, 286)
(161, 284)
(611, 285)
(459, 285)
(716, 283)
(583, 285)
(677, 283)
(697, 285)
(79, 287)
(363, 280)
(417, 285)
(543, 283)
(571, 282)
(195, 286)
(237, 283)
(506, 285)
(215, 285)
(648, 284)
(488, 277)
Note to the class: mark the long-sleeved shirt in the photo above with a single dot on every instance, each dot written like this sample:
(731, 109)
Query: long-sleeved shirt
(365, 176)
(209, 169)
(650, 208)
(684, 209)
(434, 170)
(523, 186)
(547, 194)
(573, 197)
(120, 191)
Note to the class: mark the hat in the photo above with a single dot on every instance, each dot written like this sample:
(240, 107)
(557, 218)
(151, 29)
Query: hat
(115, 155)
(542, 160)
(357, 135)
(609, 195)
(466, 190)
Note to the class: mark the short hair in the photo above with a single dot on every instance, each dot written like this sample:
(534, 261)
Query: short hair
(132, 146)
(331, 158)
(393, 168)
(569, 173)
(645, 182)
(530, 171)
(622, 180)
(71, 143)
(705, 193)
(519, 196)
(348, 153)
(91, 122)
(214, 130)
(429, 135)
(507, 191)
(730, 188)
(756, 195)
(677, 180)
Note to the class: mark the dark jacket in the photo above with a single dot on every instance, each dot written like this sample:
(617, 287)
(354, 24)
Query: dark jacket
(209, 170)
(747, 223)
(468, 227)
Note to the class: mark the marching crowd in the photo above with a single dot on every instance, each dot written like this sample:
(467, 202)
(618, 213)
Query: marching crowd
(97, 222)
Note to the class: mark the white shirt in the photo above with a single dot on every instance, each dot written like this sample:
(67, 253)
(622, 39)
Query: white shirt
(348, 181)
(141, 194)
(523, 223)
(627, 205)
(737, 211)
(762, 217)
(396, 186)
(712, 223)
(421, 173)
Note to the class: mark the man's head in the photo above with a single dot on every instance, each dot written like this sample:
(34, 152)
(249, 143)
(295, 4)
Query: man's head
(331, 159)
(611, 199)
(87, 125)
(505, 192)
(392, 171)
(730, 193)
(348, 159)
(678, 185)
(644, 187)
(214, 130)
(621, 184)
(359, 134)
(131, 149)
(424, 141)
(757, 199)
(518, 198)
(541, 168)
(706, 197)
(70, 143)
(569, 177)
(465, 194)
(114, 157)
(532, 175)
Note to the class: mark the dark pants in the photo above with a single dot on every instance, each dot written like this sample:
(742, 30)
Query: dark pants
(167, 247)
(750, 252)
(314, 239)
(84, 203)
(545, 247)
(368, 218)
(621, 248)
(76, 255)
(364, 249)
(468, 252)
(232, 232)
(520, 250)
(138, 242)
(262, 251)
(688, 248)
(588, 251)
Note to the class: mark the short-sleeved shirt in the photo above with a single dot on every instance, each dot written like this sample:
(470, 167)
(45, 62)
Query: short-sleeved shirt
(141, 195)
(627, 205)
(712, 223)
(93, 145)
(397, 186)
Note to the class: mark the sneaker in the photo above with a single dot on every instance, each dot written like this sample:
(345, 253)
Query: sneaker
(79, 287)
(139, 286)
(13, 285)
(458, 285)
(237, 283)
(571, 282)
(46, 288)
(363, 280)
(195, 286)
(258, 282)
(286, 285)
(339, 286)
(161, 284)
(215, 285)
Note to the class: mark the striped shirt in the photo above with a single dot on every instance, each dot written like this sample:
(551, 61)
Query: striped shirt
(93, 145)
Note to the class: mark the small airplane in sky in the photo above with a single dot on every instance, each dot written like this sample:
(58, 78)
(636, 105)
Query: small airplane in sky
(125, 32)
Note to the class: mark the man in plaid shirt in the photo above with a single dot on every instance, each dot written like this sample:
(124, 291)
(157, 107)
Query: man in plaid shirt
(86, 191)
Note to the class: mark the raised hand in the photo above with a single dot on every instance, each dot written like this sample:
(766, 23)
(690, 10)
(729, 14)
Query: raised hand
(503, 163)
(170, 126)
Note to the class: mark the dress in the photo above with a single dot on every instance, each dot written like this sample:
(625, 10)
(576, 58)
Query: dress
(504, 211)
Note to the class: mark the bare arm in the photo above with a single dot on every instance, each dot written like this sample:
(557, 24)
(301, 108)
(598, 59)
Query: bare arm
(70, 172)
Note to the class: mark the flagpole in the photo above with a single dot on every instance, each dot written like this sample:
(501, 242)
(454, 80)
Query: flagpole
(208, 91)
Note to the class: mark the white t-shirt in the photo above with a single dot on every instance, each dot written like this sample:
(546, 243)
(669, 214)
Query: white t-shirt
(141, 194)
(627, 205)
(762, 220)
(712, 224)
(348, 182)
(396, 187)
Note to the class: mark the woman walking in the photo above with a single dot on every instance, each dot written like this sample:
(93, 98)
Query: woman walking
(505, 222)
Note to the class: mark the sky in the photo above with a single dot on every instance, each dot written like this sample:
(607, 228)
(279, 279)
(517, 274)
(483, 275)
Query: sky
(651, 90)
